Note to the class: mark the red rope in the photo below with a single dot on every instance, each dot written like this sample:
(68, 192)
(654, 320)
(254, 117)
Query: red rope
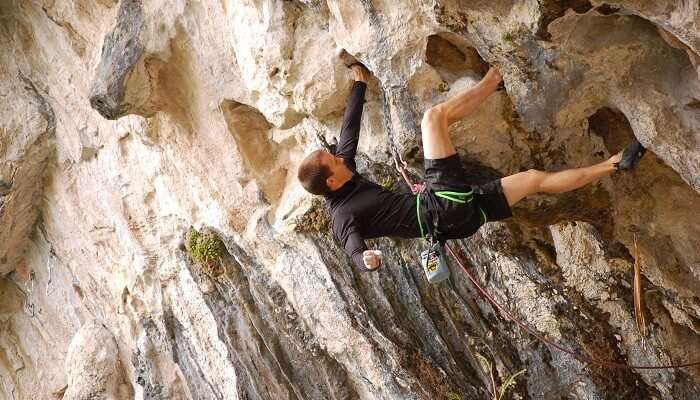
(580, 357)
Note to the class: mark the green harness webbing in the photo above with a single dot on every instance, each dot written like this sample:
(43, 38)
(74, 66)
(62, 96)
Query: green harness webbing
(457, 197)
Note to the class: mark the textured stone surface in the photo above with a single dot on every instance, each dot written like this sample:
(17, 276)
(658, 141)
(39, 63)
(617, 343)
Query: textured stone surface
(26, 145)
(92, 365)
(129, 122)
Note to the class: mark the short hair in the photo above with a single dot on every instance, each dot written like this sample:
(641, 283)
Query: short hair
(313, 174)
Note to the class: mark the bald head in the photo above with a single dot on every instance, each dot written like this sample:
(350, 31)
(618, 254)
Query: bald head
(314, 171)
(321, 172)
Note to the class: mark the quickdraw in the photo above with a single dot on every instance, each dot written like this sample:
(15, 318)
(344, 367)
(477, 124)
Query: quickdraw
(29, 307)
(416, 188)
(400, 164)
(49, 282)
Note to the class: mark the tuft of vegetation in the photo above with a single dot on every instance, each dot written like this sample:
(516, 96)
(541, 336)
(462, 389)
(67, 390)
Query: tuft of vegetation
(508, 38)
(316, 219)
(388, 182)
(498, 394)
(207, 250)
(453, 396)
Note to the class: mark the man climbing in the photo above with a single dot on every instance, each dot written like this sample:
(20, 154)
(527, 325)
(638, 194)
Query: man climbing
(361, 209)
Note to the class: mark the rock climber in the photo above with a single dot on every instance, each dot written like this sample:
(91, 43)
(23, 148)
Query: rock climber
(361, 209)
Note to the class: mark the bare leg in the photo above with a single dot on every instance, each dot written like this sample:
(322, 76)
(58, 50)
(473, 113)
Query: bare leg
(518, 186)
(437, 119)
(466, 101)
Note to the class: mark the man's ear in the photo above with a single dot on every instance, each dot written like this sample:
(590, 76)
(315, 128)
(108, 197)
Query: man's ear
(330, 182)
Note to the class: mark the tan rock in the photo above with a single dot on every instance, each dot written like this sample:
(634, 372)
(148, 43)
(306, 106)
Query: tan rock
(127, 123)
(92, 364)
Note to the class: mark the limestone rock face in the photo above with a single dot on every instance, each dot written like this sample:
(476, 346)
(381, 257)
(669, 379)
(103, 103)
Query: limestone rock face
(25, 148)
(129, 123)
(92, 365)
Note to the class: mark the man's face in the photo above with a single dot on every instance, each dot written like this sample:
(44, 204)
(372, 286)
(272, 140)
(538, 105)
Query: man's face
(339, 171)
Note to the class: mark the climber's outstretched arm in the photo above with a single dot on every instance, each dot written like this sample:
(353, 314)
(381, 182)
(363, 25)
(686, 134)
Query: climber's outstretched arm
(350, 131)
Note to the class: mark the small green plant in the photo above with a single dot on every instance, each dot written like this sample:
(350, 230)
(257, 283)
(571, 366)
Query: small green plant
(205, 249)
(508, 38)
(387, 182)
(498, 394)
(316, 219)
(453, 396)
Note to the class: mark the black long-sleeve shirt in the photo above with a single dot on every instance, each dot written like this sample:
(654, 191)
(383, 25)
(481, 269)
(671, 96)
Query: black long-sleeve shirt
(361, 209)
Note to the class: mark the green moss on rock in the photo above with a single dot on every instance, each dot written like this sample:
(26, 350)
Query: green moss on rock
(207, 250)
(316, 219)
(388, 182)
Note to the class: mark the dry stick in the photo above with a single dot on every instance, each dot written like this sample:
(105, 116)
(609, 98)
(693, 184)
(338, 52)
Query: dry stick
(532, 331)
(638, 301)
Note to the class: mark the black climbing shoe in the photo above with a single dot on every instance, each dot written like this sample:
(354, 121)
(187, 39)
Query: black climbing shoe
(358, 63)
(631, 156)
(348, 59)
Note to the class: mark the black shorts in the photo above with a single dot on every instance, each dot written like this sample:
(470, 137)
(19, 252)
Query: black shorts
(488, 202)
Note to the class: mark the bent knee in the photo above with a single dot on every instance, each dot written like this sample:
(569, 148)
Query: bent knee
(434, 114)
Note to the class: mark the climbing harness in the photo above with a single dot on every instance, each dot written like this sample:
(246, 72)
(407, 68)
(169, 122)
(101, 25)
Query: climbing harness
(433, 259)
